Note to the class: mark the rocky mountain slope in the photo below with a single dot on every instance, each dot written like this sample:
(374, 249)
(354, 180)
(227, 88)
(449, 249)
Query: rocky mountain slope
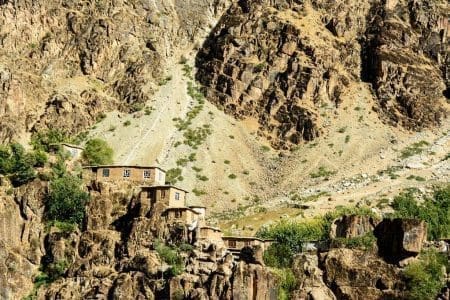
(280, 61)
(65, 63)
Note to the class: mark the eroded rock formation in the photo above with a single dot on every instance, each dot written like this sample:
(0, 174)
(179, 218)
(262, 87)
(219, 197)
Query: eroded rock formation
(280, 62)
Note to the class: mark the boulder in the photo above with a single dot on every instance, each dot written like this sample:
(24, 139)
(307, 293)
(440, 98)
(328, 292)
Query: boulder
(398, 239)
(351, 226)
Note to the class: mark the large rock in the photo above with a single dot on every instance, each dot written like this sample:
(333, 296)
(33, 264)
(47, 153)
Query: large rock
(351, 226)
(356, 274)
(310, 279)
(400, 238)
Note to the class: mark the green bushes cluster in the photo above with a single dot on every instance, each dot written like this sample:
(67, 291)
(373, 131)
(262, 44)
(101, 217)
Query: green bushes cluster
(434, 210)
(290, 236)
(20, 165)
(171, 256)
(425, 277)
(97, 152)
(66, 200)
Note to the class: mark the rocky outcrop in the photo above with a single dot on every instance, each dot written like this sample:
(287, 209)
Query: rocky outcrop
(310, 279)
(399, 239)
(357, 274)
(407, 60)
(21, 237)
(352, 226)
(281, 62)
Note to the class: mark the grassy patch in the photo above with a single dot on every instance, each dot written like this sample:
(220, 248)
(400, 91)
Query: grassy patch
(414, 149)
(322, 172)
(198, 192)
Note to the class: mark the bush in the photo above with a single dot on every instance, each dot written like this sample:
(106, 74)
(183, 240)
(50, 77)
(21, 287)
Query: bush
(286, 282)
(44, 139)
(171, 257)
(18, 164)
(425, 278)
(364, 242)
(66, 200)
(174, 175)
(435, 211)
(97, 152)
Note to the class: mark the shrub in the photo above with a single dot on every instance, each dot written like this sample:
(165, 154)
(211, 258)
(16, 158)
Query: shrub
(232, 176)
(322, 172)
(286, 282)
(174, 175)
(66, 200)
(365, 242)
(171, 257)
(127, 123)
(435, 210)
(425, 278)
(414, 149)
(198, 192)
(44, 139)
(97, 152)
(18, 164)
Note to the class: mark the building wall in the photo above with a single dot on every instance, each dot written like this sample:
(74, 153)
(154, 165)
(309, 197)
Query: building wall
(187, 216)
(177, 203)
(136, 174)
(75, 153)
(241, 243)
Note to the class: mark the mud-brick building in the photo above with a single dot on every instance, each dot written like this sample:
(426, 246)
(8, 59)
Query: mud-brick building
(236, 243)
(137, 174)
(168, 195)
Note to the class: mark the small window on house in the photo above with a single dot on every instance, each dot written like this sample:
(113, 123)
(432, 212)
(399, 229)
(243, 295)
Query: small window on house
(232, 244)
(105, 172)
(177, 196)
(163, 194)
(126, 173)
(146, 174)
(178, 214)
(247, 243)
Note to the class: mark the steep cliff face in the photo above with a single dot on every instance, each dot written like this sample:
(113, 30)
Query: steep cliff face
(71, 60)
(114, 257)
(282, 62)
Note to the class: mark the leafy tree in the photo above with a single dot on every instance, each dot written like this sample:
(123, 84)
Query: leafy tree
(44, 139)
(66, 200)
(435, 211)
(425, 277)
(18, 164)
(97, 152)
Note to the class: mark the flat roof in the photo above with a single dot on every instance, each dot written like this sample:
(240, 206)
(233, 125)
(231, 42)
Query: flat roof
(123, 166)
(72, 146)
(253, 238)
(162, 186)
(182, 208)
(210, 227)
(197, 206)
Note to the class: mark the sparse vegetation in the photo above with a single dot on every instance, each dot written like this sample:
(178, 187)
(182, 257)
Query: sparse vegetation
(165, 80)
(97, 152)
(174, 175)
(198, 192)
(414, 149)
(322, 172)
(232, 176)
(347, 139)
(265, 148)
(226, 161)
(127, 123)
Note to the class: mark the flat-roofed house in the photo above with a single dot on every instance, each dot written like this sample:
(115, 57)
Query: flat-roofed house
(139, 174)
(168, 195)
(211, 234)
(236, 243)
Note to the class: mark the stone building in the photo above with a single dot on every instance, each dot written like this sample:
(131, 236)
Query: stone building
(137, 174)
(168, 195)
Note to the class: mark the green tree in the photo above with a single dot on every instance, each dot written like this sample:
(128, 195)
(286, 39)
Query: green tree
(44, 139)
(66, 200)
(425, 277)
(97, 152)
(17, 164)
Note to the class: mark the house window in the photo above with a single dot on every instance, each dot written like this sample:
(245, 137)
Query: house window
(163, 194)
(127, 173)
(105, 172)
(246, 243)
(177, 196)
(146, 174)
(231, 244)
(178, 214)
